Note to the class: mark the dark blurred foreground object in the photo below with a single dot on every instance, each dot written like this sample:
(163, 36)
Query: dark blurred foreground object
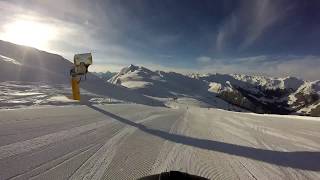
(173, 175)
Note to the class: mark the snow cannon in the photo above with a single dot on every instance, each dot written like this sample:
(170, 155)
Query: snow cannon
(80, 70)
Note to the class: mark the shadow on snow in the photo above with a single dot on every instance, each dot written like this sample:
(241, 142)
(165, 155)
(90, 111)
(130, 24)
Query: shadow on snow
(304, 160)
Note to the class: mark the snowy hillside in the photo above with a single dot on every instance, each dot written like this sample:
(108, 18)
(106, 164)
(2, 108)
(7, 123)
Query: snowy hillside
(170, 87)
(254, 93)
(27, 69)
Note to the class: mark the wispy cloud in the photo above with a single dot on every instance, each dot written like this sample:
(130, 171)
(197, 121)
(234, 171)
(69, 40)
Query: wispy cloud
(204, 59)
(249, 21)
(226, 31)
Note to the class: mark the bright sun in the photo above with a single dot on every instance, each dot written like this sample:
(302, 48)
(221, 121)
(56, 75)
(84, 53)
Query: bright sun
(29, 33)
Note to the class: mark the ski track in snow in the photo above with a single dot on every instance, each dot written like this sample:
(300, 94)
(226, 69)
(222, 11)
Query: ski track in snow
(130, 141)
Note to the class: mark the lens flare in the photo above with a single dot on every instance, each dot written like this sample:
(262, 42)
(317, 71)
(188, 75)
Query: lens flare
(29, 33)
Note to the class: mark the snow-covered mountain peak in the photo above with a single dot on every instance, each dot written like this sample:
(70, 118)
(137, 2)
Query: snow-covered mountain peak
(252, 81)
(135, 77)
(291, 83)
(134, 69)
(128, 69)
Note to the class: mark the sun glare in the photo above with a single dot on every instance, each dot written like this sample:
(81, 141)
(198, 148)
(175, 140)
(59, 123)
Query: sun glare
(29, 33)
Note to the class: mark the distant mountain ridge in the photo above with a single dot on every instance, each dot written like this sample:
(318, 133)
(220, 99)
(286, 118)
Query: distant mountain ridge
(260, 94)
(105, 75)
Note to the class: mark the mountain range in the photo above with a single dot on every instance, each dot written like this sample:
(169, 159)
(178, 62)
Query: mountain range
(138, 84)
(260, 94)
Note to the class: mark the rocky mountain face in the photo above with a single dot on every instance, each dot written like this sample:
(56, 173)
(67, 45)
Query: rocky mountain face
(258, 94)
(105, 75)
(265, 94)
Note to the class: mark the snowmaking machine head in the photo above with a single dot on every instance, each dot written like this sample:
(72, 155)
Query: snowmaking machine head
(81, 64)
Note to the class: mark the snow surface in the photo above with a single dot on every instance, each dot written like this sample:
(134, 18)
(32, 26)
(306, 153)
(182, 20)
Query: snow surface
(136, 84)
(130, 141)
(61, 99)
(15, 94)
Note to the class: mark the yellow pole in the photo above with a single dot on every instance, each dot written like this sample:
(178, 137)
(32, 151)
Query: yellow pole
(75, 88)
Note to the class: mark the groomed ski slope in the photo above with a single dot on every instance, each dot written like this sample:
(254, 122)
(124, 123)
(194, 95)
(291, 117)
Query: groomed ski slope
(130, 141)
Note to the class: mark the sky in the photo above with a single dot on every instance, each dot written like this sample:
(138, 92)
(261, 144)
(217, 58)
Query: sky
(265, 37)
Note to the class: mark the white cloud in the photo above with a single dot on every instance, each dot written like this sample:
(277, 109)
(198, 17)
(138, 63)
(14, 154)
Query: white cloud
(303, 67)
